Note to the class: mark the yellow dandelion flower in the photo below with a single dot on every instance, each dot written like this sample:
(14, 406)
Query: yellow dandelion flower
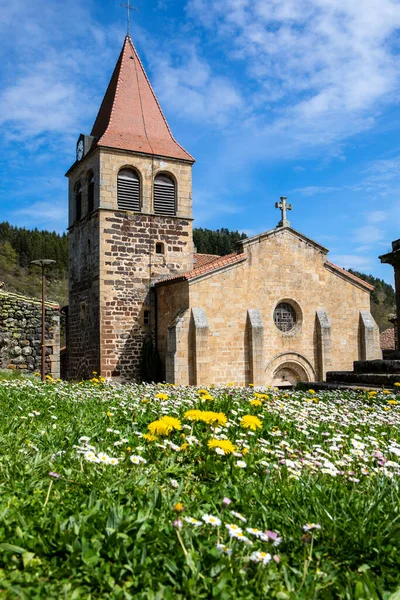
(162, 396)
(164, 426)
(311, 391)
(251, 422)
(202, 392)
(193, 415)
(158, 428)
(214, 417)
(394, 402)
(245, 451)
(397, 384)
(178, 507)
(207, 397)
(109, 414)
(256, 402)
(149, 437)
(172, 422)
(185, 446)
(225, 445)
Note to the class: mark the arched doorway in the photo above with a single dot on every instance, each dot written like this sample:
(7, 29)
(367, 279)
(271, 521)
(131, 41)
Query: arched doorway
(287, 369)
(288, 375)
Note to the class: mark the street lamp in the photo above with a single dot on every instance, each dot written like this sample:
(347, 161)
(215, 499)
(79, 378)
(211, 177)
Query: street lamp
(43, 262)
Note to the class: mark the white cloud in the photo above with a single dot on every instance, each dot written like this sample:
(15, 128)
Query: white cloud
(314, 190)
(319, 69)
(368, 234)
(353, 261)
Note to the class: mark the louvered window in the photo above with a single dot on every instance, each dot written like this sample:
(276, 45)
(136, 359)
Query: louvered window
(78, 201)
(164, 196)
(128, 190)
(90, 193)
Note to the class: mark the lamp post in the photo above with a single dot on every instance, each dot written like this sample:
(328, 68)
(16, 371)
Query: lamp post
(43, 262)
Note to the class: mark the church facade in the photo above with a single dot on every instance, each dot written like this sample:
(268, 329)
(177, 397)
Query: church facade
(274, 312)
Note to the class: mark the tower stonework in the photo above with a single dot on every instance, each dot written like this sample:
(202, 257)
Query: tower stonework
(117, 251)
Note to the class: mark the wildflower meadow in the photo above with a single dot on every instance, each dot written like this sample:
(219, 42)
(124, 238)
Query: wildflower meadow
(163, 492)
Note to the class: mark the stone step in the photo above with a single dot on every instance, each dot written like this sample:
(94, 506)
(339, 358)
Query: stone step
(377, 366)
(385, 379)
(324, 386)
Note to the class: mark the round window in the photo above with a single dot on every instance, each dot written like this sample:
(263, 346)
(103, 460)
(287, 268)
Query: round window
(285, 317)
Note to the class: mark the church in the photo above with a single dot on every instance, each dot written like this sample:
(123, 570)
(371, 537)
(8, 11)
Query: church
(275, 312)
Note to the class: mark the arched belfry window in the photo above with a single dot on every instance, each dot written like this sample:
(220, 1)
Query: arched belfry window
(128, 190)
(78, 201)
(90, 192)
(164, 195)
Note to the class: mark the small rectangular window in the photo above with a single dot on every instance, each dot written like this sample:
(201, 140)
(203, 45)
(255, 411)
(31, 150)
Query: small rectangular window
(159, 248)
(146, 317)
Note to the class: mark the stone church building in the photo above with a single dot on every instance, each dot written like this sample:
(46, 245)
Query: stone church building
(274, 312)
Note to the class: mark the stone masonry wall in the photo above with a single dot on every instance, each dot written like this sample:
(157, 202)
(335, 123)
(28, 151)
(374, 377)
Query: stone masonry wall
(21, 334)
(280, 267)
(110, 297)
(128, 266)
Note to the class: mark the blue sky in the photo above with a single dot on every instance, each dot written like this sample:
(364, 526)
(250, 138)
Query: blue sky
(272, 97)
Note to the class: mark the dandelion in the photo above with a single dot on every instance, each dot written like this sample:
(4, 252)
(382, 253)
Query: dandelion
(210, 520)
(149, 437)
(256, 402)
(251, 422)
(162, 396)
(164, 426)
(178, 507)
(263, 557)
(225, 446)
(311, 527)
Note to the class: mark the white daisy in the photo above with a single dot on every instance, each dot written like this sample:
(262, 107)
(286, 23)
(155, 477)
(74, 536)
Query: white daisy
(211, 520)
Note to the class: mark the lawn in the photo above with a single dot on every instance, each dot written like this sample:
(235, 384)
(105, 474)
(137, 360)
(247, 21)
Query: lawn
(163, 492)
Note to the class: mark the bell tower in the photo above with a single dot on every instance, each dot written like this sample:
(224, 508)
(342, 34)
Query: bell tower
(130, 224)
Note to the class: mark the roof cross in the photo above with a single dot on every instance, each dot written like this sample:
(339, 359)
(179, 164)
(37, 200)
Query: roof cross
(128, 10)
(283, 206)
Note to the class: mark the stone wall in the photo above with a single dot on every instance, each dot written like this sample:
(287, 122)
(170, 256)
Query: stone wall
(279, 266)
(113, 261)
(21, 334)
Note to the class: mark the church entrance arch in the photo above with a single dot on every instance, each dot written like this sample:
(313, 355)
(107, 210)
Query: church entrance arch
(287, 369)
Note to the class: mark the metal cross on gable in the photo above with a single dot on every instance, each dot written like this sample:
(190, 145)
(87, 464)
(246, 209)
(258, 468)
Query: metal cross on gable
(128, 9)
(283, 206)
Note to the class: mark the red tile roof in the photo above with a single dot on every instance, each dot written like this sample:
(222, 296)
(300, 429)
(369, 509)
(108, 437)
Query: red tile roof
(204, 269)
(387, 339)
(204, 259)
(350, 275)
(130, 117)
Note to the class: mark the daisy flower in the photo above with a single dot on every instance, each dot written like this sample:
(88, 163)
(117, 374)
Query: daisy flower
(224, 549)
(239, 516)
(193, 521)
(211, 520)
(241, 464)
(263, 557)
(136, 460)
(103, 458)
(311, 527)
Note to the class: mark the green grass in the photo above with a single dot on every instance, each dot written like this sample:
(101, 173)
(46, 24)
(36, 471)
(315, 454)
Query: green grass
(107, 531)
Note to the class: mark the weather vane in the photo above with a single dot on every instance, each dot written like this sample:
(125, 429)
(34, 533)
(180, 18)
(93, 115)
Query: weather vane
(128, 9)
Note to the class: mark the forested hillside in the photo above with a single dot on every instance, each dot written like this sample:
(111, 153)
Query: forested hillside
(19, 246)
(221, 241)
(383, 299)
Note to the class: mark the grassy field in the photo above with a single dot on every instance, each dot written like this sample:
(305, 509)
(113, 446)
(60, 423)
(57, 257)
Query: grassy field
(161, 492)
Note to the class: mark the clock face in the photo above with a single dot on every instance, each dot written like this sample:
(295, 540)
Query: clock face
(79, 150)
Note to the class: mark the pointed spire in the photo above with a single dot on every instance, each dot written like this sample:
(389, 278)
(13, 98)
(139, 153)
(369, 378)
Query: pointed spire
(130, 117)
